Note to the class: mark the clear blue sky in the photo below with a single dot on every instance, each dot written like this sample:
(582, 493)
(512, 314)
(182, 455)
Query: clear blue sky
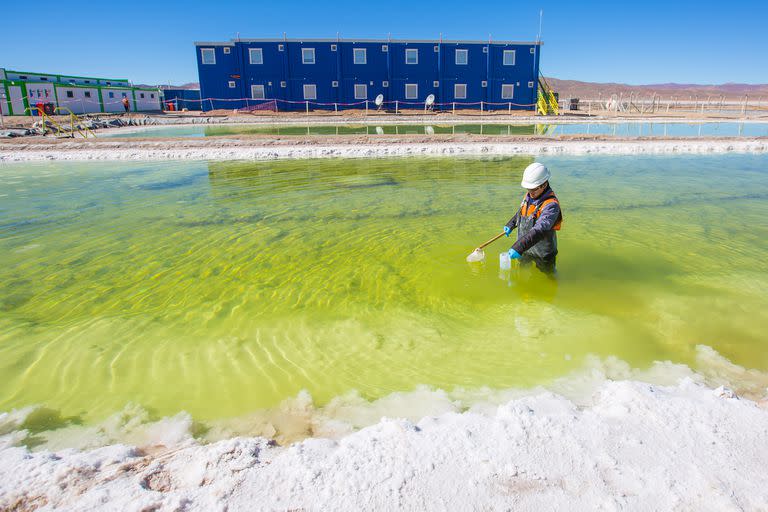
(607, 41)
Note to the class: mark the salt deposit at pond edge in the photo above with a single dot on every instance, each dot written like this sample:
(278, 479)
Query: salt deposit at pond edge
(214, 150)
(614, 444)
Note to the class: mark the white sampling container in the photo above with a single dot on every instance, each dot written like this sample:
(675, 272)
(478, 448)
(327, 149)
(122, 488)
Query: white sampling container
(504, 262)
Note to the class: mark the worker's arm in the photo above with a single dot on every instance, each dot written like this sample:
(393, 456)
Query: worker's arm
(512, 224)
(546, 221)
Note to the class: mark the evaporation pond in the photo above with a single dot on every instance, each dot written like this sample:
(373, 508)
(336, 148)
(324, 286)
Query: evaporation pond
(223, 288)
(624, 129)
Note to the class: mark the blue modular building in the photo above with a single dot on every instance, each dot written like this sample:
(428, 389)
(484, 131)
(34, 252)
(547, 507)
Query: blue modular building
(181, 98)
(293, 74)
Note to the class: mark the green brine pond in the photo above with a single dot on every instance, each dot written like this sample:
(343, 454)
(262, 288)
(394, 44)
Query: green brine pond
(619, 129)
(226, 288)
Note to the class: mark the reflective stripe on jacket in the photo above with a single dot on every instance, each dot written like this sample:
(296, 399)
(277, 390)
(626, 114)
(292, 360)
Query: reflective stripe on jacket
(537, 222)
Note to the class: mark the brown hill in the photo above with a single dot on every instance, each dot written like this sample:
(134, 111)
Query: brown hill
(591, 90)
(191, 85)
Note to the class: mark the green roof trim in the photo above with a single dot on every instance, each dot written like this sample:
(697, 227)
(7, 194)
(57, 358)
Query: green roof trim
(66, 76)
(84, 86)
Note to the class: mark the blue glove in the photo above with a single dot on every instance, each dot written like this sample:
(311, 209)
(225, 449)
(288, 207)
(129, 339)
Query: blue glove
(507, 230)
(514, 255)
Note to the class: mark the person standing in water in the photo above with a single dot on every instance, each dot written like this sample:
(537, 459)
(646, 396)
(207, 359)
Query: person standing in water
(537, 221)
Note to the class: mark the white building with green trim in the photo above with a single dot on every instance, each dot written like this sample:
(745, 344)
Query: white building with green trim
(21, 91)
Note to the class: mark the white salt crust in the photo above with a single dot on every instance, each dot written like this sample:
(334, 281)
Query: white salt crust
(616, 444)
(238, 150)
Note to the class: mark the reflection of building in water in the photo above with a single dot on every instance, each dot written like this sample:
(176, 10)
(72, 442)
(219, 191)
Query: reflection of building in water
(545, 129)
(235, 180)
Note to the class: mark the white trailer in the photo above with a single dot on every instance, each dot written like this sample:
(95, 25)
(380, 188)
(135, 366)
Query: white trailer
(147, 99)
(78, 100)
(38, 92)
(23, 91)
(112, 98)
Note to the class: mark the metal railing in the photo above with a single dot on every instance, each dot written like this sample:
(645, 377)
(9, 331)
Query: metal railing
(656, 104)
(75, 124)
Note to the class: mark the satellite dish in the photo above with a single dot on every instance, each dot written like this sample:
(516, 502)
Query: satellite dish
(430, 100)
(379, 100)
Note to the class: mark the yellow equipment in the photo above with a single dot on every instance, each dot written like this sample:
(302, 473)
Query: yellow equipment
(546, 103)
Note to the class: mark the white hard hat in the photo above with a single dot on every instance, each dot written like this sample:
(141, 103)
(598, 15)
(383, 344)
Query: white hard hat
(534, 175)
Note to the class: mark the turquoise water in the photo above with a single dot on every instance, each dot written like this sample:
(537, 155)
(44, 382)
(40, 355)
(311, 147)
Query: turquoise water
(224, 288)
(624, 129)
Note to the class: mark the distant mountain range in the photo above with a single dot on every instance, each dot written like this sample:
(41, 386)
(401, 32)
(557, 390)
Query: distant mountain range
(190, 85)
(593, 90)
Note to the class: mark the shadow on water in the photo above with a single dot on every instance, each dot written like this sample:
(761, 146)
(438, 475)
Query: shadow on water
(44, 419)
(183, 181)
(587, 264)
(223, 221)
(16, 294)
(240, 179)
(676, 201)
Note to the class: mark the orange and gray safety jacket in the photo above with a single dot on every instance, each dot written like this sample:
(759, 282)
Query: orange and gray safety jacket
(537, 222)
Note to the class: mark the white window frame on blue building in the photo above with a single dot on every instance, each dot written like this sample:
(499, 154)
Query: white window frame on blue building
(313, 95)
(413, 96)
(255, 52)
(255, 95)
(465, 53)
(506, 53)
(361, 91)
(209, 51)
(356, 56)
(304, 53)
(456, 94)
(505, 91)
(414, 52)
